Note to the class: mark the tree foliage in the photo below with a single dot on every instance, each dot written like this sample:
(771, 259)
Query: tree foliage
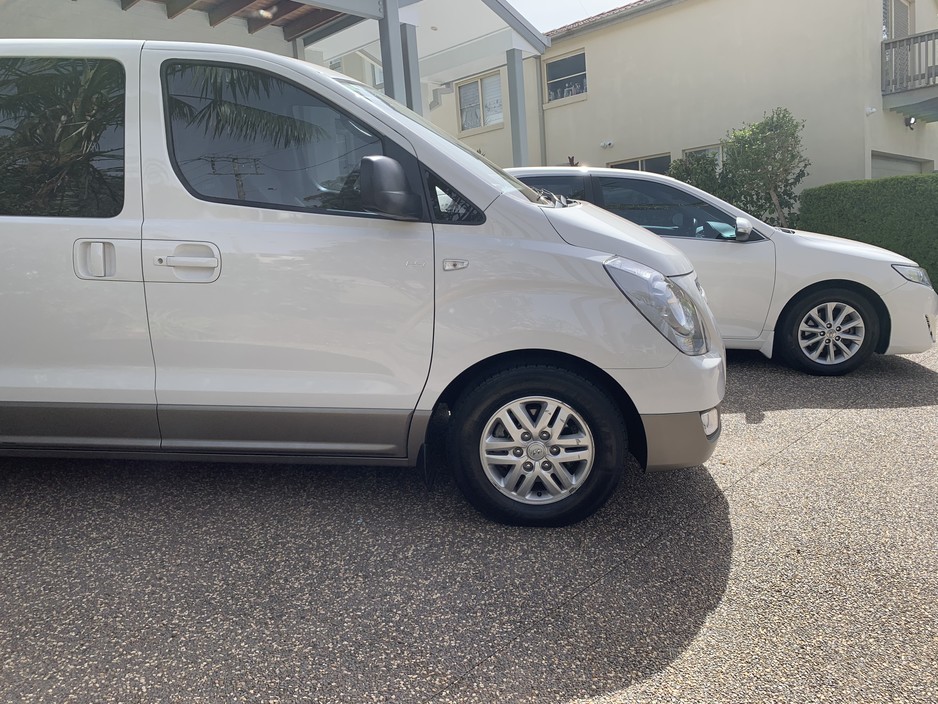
(701, 170)
(763, 164)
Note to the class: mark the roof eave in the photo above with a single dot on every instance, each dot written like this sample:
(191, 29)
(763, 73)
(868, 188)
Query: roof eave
(609, 18)
(519, 24)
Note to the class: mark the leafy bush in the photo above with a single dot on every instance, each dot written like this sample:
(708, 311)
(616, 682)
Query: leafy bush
(763, 163)
(698, 170)
(898, 213)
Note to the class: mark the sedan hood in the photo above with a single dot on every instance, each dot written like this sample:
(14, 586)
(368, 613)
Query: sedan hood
(585, 225)
(846, 247)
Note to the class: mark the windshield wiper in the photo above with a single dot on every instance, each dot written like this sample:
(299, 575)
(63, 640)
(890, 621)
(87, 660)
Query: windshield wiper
(553, 199)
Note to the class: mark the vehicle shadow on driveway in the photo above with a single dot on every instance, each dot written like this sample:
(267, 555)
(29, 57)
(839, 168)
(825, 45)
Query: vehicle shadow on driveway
(756, 385)
(178, 582)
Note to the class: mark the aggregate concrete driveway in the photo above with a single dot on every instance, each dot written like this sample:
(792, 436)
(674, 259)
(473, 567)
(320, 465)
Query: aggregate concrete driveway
(800, 565)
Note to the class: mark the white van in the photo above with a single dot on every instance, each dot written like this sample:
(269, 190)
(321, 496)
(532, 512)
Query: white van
(214, 252)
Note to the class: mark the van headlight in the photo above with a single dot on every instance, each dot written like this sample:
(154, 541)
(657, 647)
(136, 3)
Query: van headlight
(663, 303)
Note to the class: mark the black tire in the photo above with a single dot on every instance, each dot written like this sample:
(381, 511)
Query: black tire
(821, 346)
(561, 488)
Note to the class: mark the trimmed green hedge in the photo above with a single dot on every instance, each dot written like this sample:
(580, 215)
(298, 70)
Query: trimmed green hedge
(898, 213)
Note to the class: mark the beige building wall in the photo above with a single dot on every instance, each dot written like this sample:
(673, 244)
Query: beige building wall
(493, 141)
(886, 131)
(681, 77)
(104, 19)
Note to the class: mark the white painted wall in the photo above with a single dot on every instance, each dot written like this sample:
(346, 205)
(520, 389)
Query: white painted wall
(104, 19)
(681, 77)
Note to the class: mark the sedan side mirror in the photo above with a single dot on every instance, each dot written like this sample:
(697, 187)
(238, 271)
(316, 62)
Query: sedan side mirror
(743, 229)
(384, 189)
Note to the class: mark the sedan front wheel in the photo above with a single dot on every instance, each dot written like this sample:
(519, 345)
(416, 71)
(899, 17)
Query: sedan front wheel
(829, 333)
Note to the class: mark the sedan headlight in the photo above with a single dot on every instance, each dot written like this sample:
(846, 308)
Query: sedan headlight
(916, 274)
(663, 303)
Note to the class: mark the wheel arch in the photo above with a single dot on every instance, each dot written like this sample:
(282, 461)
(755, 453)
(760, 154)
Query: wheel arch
(637, 444)
(882, 312)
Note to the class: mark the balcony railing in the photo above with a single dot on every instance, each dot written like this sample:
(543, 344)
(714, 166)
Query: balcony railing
(910, 63)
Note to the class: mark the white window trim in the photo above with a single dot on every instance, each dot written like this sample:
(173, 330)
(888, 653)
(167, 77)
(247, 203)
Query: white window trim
(718, 148)
(641, 160)
(483, 128)
(570, 98)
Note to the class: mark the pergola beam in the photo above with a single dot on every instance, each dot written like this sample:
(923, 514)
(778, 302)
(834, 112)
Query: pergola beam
(222, 12)
(370, 9)
(307, 23)
(255, 24)
(174, 8)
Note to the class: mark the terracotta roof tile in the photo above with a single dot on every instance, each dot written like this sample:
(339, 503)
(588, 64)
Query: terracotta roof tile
(597, 18)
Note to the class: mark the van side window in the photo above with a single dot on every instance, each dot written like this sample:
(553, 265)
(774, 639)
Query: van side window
(61, 137)
(449, 205)
(240, 135)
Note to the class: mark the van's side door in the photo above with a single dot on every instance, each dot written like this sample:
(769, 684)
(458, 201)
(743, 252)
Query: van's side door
(76, 369)
(284, 318)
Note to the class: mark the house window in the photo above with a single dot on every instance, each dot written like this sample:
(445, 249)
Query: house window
(655, 164)
(715, 150)
(566, 77)
(480, 103)
(897, 19)
(377, 76)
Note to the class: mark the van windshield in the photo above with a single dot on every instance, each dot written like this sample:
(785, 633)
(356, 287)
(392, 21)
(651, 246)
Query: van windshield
(466, 157)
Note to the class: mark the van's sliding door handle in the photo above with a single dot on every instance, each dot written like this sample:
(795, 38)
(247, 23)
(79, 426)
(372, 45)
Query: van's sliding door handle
(188, 262)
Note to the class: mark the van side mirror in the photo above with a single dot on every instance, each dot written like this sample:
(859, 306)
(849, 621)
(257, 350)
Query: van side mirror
(384, 189)
(743, 229)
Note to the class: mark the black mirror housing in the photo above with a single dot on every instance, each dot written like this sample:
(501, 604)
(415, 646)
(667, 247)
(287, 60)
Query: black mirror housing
(384, 189)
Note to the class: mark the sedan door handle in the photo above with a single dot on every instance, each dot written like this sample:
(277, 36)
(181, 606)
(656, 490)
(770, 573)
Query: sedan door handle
(188, 262)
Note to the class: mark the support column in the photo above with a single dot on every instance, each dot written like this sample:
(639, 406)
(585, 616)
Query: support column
(392, 51)
(519, 124)
(411, 68)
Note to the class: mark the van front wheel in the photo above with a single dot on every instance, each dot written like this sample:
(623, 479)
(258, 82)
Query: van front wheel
(537, 446)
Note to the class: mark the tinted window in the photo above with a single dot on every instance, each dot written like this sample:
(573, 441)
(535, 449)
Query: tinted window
(665, 210)
(61, 137)
(571, 187)
(244, 136)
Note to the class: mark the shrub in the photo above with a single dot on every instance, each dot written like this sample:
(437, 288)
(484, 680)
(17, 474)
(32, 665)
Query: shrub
(898, 213)
(763, 163)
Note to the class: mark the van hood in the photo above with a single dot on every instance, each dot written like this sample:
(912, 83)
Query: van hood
(585, 225)
(843, 246)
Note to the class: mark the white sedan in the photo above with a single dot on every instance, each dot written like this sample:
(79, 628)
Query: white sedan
(824, 304)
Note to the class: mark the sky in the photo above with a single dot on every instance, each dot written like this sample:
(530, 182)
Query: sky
(550, 14)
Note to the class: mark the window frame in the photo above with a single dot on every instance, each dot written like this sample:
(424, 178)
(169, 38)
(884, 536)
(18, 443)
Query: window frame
(388, 148)
(641, 161)
(889, 15)
(566, 100)
(482, 127)
(708, 149)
